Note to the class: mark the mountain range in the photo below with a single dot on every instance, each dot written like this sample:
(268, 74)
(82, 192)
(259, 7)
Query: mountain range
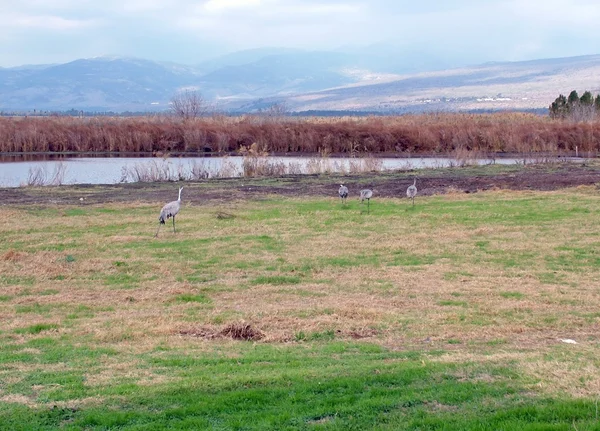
(247, 81)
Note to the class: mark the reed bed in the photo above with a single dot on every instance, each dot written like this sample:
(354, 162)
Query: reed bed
(253, 165)
(409, 134)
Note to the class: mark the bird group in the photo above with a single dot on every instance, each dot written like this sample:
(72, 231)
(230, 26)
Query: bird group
(367, 194)
(171, 209)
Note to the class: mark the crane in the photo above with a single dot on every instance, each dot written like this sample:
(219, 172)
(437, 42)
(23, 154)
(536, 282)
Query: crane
(411, 191)
(169, 210)
(343, 192)
(366, 194)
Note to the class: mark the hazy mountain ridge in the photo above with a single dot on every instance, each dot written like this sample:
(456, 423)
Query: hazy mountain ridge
(501, 85)
(253, 79)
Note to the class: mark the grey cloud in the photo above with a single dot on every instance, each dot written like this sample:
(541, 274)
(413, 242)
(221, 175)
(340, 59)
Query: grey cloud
(467, 30)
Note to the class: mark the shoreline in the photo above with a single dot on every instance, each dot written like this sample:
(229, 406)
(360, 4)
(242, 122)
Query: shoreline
(391, 184)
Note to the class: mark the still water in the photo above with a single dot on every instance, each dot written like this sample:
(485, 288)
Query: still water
(15, 171)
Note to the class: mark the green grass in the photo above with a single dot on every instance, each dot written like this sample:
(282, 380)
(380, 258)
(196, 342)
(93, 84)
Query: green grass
(515, 295)
(276, 280)
(36, 329)
(187, 297)
(454, 303)
(8, 280)
(440, 317)
(333, 385)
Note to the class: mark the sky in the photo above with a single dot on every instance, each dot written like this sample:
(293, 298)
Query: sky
(191, 31)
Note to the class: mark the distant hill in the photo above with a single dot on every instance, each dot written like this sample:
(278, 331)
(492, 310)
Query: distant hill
(305, 80)
(527, 85)
(94, 84)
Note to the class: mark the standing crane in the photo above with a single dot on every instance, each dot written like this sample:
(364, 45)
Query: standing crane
(366, 194)
(411, 191)
(343, 192)
(169, 210)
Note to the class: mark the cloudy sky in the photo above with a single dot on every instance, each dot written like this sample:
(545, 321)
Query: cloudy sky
(189, 31)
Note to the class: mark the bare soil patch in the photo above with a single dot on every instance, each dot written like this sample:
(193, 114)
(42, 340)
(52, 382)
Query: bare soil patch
(236, 331)
(393, 184)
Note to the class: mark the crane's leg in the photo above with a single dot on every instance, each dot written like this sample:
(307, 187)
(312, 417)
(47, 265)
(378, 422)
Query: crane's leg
(368, 206)
(413, 199)
(173, 224)
(156, 234)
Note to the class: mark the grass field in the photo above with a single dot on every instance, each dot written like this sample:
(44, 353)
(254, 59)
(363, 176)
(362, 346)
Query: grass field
(301, 313)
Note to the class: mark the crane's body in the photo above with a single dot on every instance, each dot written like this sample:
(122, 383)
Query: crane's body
(169, 210)
(411, 191)
(366, 194)
(343, 192)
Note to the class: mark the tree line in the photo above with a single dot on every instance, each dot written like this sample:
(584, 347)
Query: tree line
(584, 108)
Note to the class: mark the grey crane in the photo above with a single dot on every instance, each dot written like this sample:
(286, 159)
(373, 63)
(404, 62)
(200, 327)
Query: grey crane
(343, 192)
(411, 191)
(169, 210)
(366, 194)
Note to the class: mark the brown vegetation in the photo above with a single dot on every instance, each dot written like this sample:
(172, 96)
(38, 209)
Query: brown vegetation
(235, 330)
(427, 133)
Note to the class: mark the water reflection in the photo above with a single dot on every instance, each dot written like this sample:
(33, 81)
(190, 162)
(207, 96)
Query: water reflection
(23, 169)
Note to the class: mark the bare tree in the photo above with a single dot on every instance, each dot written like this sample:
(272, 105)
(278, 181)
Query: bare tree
(582, 112)
(188, 104)
(274, 112)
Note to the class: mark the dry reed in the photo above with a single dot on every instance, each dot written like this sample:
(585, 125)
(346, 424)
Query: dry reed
(424, 133)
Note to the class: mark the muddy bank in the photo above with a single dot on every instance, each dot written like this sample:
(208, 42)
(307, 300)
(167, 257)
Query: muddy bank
(430, 182)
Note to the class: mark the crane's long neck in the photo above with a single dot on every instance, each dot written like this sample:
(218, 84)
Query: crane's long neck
(179, 199)
(415, 183)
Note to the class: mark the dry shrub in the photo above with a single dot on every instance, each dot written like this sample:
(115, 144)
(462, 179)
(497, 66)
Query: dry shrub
(228, 169)
(242, 331)
(256, 162)
(418, 133)
(236, 331)
(164, 170)
(39, 176)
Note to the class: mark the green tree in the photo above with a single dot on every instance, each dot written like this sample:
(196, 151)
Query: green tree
(597, 102)
(559, 108)
(573, 98)
(586, 98)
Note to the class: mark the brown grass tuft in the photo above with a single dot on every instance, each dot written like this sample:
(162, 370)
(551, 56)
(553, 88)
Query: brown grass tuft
(362, 333)
(242, 331)
(222, 215)
(201, 332)
(13, 255)
(236, 331)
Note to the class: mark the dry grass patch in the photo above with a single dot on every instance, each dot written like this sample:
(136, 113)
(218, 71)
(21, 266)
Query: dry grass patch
(453, 274)
(19, 399)
(242, 331)
(236, 331)
(13, 255)
(549, 366)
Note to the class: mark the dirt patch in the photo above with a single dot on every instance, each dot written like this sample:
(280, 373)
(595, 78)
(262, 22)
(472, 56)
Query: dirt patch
(201, 332)
(236, 331)
(390, 184)
(358, 334)
(13, 255)
(242, 331)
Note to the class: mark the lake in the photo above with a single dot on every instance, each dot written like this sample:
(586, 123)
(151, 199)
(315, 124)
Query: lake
(19, 170)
